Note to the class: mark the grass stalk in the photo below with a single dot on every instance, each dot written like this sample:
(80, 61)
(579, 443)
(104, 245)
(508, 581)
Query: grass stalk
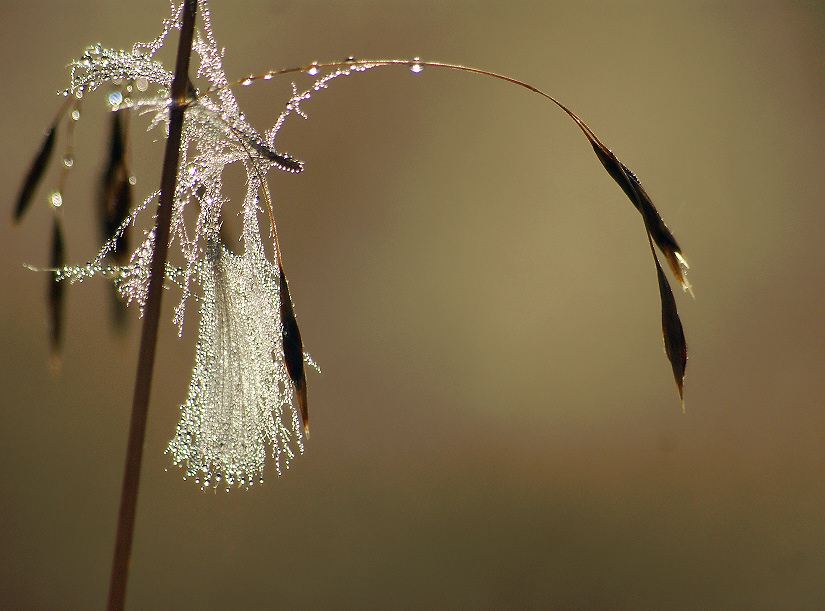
(151, 316)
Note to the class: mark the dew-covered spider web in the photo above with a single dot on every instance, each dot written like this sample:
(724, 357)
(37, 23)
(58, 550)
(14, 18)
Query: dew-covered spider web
(240, 399)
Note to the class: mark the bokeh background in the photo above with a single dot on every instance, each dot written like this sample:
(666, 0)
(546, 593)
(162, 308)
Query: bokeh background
(496, 425)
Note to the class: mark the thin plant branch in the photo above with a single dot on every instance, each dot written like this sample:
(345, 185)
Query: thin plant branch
(148, 342)
(657, 231)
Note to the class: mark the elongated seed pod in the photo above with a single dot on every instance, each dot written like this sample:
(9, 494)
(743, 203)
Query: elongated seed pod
(293, 349)
(34, 175)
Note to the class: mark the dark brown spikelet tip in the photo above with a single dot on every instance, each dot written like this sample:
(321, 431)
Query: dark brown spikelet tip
(282, 161)
(659, 232)
(674, 336)
(54, 292)
(653, 221)
(293, 350)
(35, 173)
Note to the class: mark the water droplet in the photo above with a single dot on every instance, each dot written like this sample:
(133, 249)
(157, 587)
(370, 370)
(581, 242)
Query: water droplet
(75, 114)
(313, 70)
(115, 98)
(247, 82)
(68, 161)
(142, 84)
(56, 199)
(268, 76)
(132, 180)
(416, 67)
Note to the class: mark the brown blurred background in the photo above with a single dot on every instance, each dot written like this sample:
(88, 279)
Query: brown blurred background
(496, 425)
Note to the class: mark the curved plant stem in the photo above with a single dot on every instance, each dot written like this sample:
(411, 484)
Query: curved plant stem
(151, 315)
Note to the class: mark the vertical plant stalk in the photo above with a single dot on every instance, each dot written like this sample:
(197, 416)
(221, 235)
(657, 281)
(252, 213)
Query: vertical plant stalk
(151, 315)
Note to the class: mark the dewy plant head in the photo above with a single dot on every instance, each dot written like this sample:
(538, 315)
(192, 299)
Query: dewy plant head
(248, 392)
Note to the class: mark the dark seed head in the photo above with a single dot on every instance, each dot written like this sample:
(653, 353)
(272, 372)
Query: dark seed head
(293, 349)
(34, 175)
